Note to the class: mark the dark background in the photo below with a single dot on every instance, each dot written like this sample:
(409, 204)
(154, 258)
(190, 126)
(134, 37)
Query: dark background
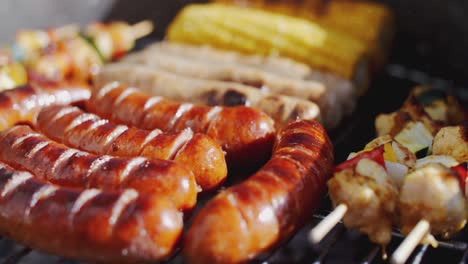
(432, 34)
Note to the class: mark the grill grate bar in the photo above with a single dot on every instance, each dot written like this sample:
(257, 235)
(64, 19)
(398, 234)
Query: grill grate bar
(420, 254)
(371, 256)
(464, 257)
(338, 232)
(17, 256)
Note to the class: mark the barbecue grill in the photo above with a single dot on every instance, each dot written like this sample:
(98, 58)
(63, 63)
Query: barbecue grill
(408, 67)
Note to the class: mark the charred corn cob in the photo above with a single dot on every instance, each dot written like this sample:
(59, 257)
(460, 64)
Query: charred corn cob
(367, 22)
(257, 31)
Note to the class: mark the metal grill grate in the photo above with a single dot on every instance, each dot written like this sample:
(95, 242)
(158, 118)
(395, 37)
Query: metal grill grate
(341, 245)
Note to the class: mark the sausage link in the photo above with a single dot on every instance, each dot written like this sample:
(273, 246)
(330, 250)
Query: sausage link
(244, 133)
(282, 108)
(93, 225)
(22, 104)
(252, 217)
(197, 152)
(23, 148)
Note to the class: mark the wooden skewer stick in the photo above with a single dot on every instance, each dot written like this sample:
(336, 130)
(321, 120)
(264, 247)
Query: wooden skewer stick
(142, 28)
(411, 241)
(326, 225)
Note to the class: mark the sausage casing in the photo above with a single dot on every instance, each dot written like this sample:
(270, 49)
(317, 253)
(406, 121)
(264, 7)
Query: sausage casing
(22, 147)
(77, 129)
(252, 217)
(245, 134)
(22, 104)
(101, 226)
(282, 108)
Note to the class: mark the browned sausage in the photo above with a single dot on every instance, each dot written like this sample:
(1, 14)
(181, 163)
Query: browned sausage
(250, 218)
(22, 104)
(21, 147)
(103, 226)
(77, 129)
(246, 134)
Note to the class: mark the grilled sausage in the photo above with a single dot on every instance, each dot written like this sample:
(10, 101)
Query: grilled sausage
(279, 66)
(93, 225)
(250, 218)
(21, 105)
(77, 129)
(244, 133)
(283, 109)
(21, 147)
(173, 69)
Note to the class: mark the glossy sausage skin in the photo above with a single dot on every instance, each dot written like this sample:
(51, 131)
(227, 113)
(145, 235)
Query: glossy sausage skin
(245, 134)
(99, 226)
(22, 147)
(22, 104)
(77, 129)
(250, 218)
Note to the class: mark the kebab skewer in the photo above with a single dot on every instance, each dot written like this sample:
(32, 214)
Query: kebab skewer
(440, 181)
(414, 135)
(66, 52)
(364, 190)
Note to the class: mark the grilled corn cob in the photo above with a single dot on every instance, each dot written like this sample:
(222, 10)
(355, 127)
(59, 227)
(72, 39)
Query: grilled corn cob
(370, 23)
(257, 31)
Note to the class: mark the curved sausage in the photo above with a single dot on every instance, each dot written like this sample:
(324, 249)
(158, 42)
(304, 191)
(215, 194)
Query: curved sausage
(22, 104)
(22, 147)
(252, 217)
(244, 133)
(93, 225)
(77, 129)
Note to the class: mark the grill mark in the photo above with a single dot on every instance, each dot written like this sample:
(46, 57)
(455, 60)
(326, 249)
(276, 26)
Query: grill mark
(63, 112)
(212, 113)
(107, 88)
(232, 200)
(294, 161)
(127, 197)
(118, 130)
(96, 124)
(152, 135)
(23, 138)
(67, 154)
(183, 108)
(274, 175)
(86, 196)
(97, 163)
(274, 203)
(13, 129)
(180, 143)
(79, 120)
(131, 165)
(37, 148)
(17, 180)
(152, 102)
(126, 93)
(44, 192)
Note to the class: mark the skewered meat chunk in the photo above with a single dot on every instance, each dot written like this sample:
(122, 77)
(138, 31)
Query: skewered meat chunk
(452, 141)
(432, 193)
(371, 196)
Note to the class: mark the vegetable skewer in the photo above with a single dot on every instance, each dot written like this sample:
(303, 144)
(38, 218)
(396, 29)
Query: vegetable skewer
(65, 52)
(445, 197)
(413, 137)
